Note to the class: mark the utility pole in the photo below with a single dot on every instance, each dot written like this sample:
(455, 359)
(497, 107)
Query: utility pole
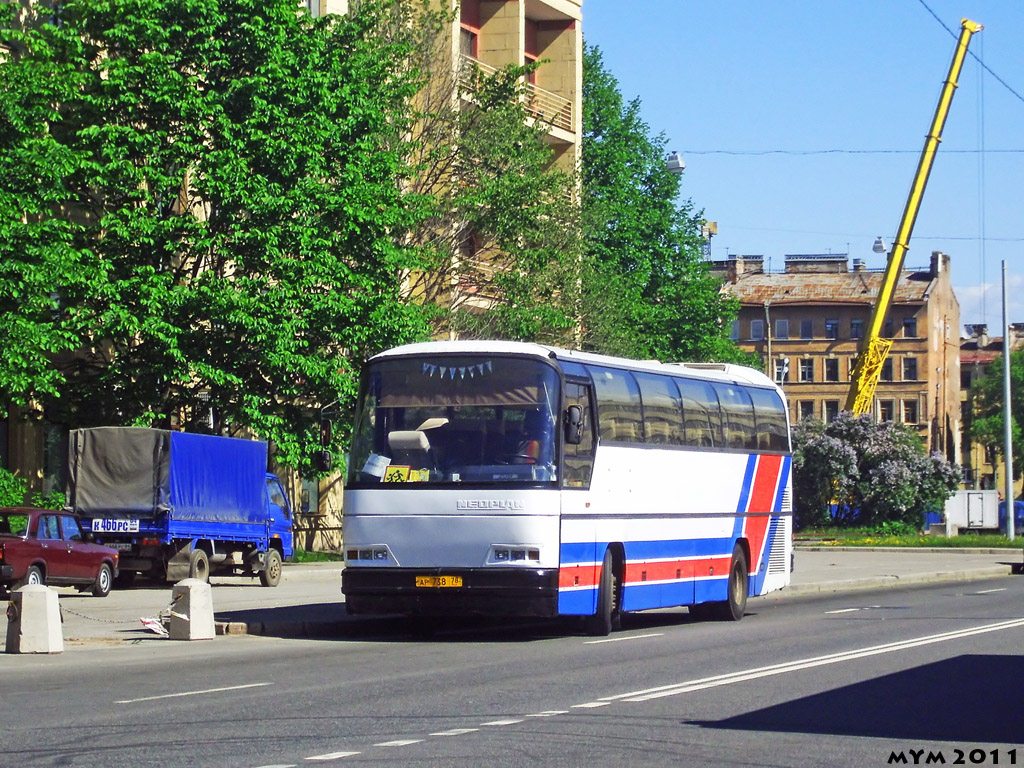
(1007, 426)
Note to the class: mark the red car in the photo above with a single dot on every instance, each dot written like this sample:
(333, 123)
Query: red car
(41, 546)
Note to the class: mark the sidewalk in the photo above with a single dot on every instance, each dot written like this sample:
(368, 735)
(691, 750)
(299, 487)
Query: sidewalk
(308, 602)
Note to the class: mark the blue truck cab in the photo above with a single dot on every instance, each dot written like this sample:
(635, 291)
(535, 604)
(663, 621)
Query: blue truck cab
(180, 505)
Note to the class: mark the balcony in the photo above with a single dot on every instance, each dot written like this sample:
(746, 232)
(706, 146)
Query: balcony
(542, 105)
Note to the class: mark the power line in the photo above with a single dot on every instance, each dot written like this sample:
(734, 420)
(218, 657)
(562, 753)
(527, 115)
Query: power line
(797, 152)
(984, 66)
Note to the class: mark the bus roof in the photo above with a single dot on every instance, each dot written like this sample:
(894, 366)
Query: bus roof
(713, 371)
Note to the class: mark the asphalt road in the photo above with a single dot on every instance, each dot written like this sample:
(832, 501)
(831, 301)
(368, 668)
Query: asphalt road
(847, 679)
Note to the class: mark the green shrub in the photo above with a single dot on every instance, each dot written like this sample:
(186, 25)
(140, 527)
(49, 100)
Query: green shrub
(13, 489)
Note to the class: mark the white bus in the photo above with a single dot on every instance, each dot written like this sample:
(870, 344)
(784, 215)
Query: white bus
(513, 479)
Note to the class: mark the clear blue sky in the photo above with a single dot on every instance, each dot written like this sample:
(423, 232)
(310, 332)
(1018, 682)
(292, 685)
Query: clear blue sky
(725, 80)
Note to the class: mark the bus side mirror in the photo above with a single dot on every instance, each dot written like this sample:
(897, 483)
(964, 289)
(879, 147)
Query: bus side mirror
(573, 425)
(323, 461)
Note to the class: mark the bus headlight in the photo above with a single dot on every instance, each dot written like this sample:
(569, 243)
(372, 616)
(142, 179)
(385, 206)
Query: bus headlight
(377, 554)
(508, 553)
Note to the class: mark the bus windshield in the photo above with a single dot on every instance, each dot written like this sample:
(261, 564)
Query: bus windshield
(456, 419)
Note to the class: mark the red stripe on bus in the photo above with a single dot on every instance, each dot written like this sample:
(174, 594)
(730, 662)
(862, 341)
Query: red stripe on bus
(578, 576)
(669, 570)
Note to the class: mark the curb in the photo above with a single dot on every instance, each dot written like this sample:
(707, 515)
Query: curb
(892, 581)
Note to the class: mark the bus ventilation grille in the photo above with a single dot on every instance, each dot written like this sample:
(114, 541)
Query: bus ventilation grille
(787, 499)
(777, 560)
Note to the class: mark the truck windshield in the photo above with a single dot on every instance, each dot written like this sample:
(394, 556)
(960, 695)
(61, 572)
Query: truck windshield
(456, 419)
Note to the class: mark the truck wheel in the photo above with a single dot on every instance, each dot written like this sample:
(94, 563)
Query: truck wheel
(271, 575)
(199, 565)
(104, 580)
(34, 575)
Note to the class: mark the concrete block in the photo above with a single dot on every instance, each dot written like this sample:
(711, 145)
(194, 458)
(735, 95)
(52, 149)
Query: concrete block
(33, 621)
(192, 611)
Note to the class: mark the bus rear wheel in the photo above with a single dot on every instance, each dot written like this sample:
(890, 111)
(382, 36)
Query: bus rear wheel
(607, 617)
(735, 606)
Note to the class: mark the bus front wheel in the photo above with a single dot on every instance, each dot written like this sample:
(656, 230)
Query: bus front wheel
(607, 617)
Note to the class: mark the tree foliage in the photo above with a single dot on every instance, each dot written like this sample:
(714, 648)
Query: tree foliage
(647, 292)
(499, 240)
(986, 423)
(874, 473)
(197, 207)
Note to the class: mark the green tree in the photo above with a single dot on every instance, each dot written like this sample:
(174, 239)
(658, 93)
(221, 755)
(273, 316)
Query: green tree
(986, 424)
(197, 207)
(647, 291)
(499, 241)
(875, 473)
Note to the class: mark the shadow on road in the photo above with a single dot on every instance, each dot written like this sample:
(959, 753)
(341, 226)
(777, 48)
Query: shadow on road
(966, 699)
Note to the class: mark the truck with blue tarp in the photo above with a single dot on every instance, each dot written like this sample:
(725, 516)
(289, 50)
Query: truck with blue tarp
(178, 504)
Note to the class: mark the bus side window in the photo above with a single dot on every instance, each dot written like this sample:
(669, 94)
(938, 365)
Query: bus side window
(579, 459)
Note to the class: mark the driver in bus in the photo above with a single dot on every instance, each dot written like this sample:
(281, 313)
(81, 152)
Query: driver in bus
(535, 444)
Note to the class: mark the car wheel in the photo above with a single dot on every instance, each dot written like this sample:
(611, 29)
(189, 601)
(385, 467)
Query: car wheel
(199, 565)
(104, 581)
(271, 575)
(34, 575)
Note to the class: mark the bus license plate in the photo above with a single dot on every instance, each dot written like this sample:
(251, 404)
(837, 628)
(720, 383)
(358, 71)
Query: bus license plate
(438, 581)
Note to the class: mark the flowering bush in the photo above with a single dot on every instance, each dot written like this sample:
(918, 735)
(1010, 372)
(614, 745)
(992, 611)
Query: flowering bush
(868, 473)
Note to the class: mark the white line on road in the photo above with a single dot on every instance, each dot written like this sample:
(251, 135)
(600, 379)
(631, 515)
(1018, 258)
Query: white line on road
(591, 705)
(503, 722)
(818, 661)
(550, 713)
(333, 756)
(990, 591)
(455, 732)
(398, 743)
(192, 693)
(620, 639)
(843, 610)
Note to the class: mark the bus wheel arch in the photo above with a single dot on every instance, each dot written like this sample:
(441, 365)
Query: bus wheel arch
(737, 586)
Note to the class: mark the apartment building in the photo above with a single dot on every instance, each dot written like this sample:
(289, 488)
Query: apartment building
(807, 321)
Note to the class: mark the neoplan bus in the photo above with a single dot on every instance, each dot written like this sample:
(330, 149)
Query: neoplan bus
(512, 479)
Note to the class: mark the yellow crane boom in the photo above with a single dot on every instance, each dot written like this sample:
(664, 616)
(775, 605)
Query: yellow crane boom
(873, 348)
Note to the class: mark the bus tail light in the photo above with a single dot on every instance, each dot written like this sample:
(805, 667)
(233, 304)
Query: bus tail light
(375, 554)
(501, 553)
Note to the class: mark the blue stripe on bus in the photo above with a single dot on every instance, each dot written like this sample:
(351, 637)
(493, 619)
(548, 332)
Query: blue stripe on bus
(571, 553)
(783, 479)
(757, 580)
(577, 602)
(744, 500)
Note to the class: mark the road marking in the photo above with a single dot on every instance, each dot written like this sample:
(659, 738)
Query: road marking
(591, 705)
(990, 591)
(398, 743)
(503, 722)
(278, 765)
(192, 693)
(817, 661)
(843, 610)
(455, 732)
(333, 756)
(550, 713)
(620, 639)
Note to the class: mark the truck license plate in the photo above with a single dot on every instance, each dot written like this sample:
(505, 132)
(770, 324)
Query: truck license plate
(115, 526)
(438, 581)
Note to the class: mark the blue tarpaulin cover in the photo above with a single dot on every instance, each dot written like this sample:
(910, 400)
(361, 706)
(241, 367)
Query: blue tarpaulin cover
(138, 472)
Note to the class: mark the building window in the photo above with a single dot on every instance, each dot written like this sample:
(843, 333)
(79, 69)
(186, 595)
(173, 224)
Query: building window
(856, 329)
(806, 329)
(886, 370)
(885, 410)
(735, 333)
(756, 330)
(909, 327)
(910, 411)
(781, 370)
(469, 28)
(806, 369)
(782, 329)
(831, 369)
(805, 409)
(313, 6)
(831, 329)
(831, 410)
(887, 329)
(910, 369)
(530, 54)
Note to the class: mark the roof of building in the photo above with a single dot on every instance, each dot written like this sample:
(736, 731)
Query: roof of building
(851, 287)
